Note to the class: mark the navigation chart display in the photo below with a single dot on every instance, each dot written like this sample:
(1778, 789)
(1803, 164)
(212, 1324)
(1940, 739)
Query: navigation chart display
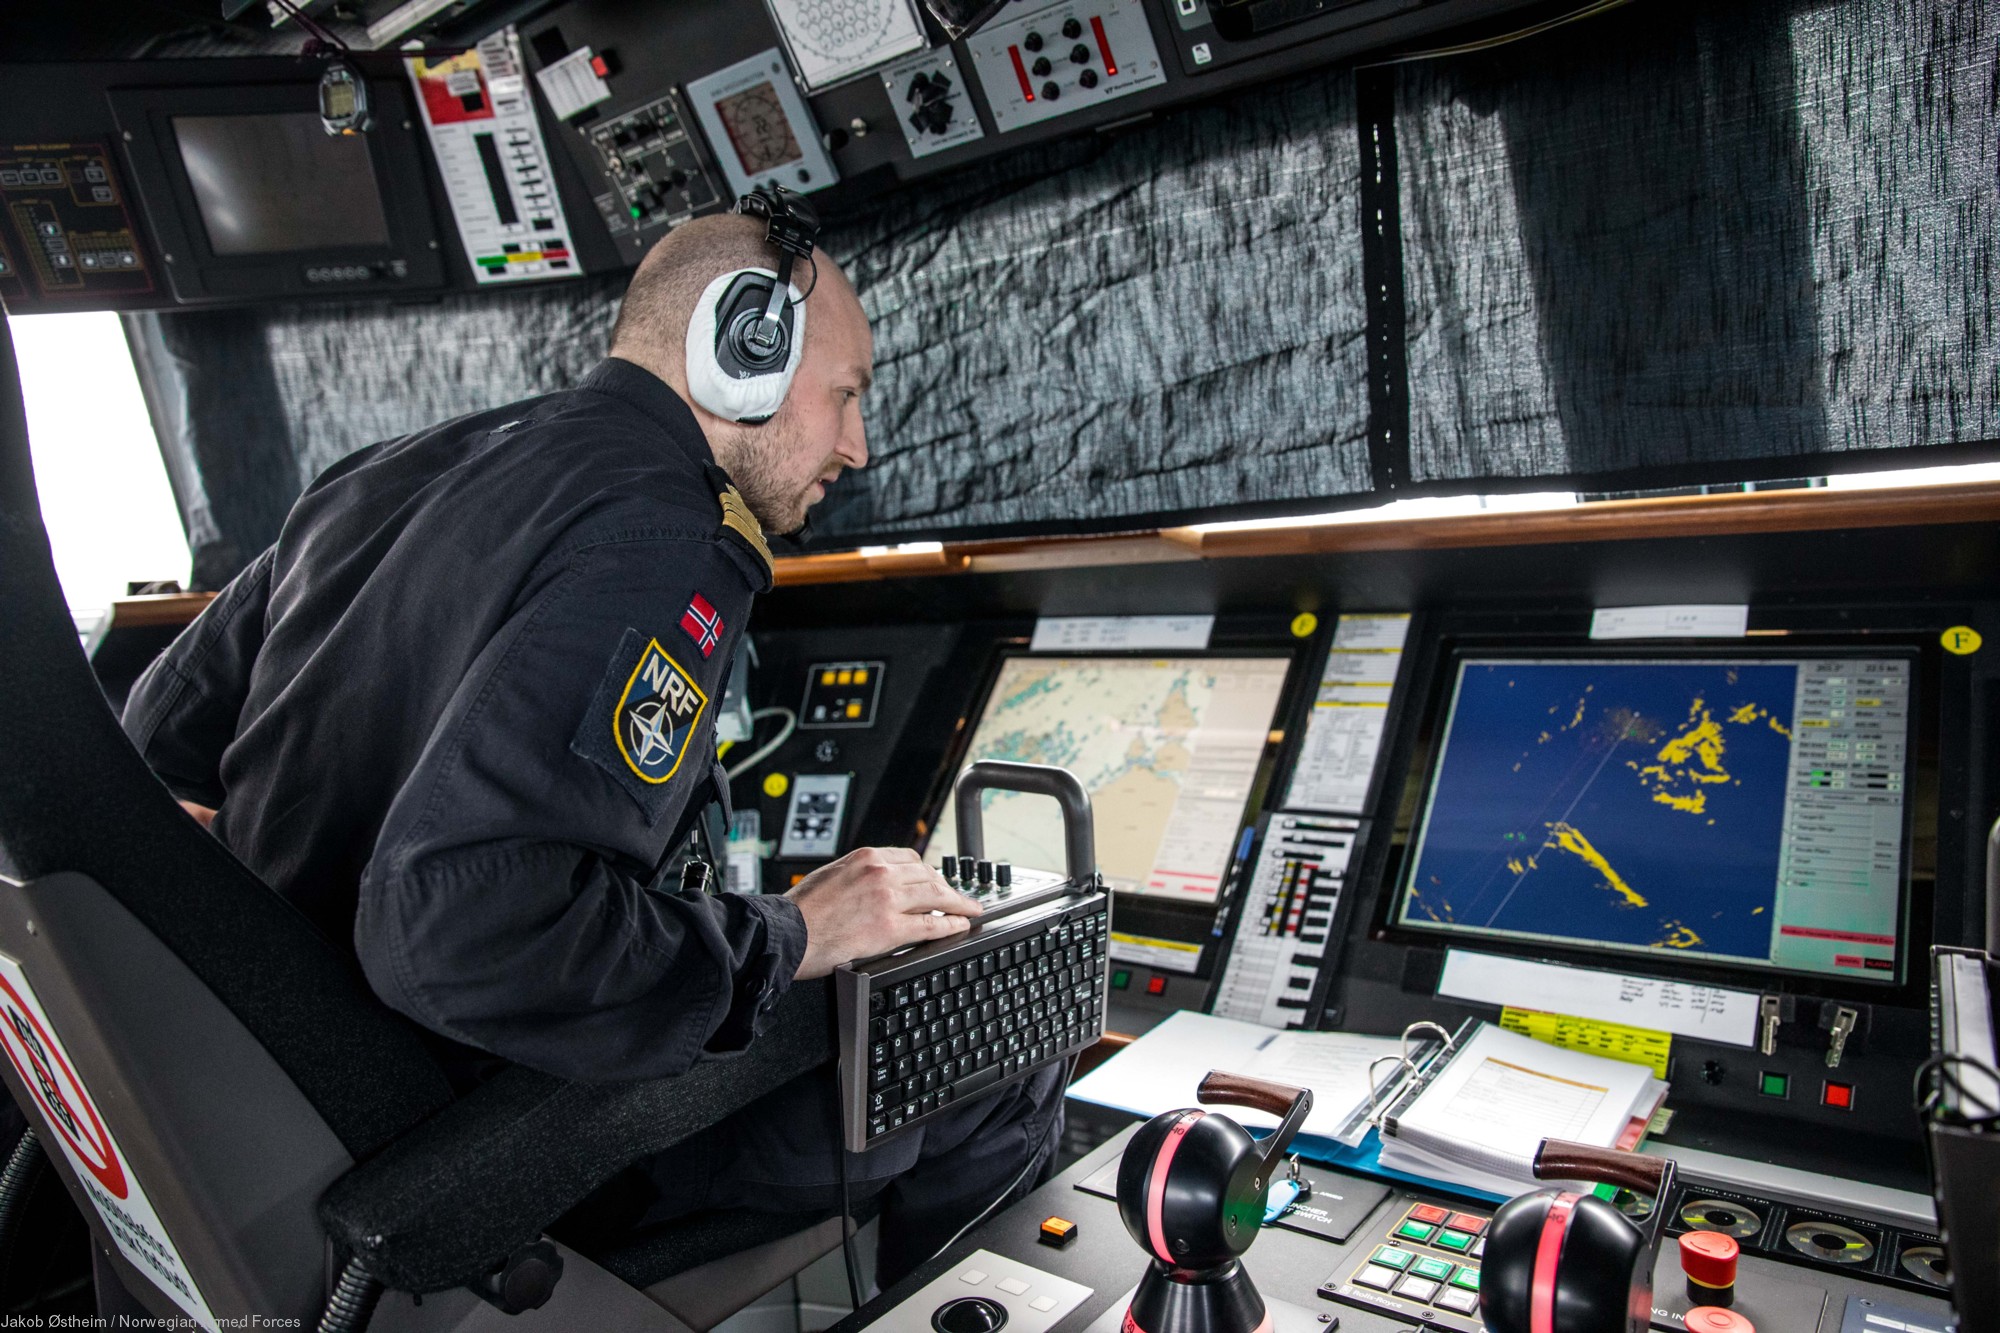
(1167, 747)
(1748, 812)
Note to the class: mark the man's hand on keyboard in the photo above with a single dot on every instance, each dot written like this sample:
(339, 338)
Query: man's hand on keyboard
(873, 900)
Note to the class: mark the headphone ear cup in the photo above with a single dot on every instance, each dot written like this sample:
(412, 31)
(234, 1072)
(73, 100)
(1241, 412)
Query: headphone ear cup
(730, 372)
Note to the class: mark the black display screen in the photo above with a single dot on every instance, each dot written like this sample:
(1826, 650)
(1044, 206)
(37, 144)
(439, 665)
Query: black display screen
(278, 183)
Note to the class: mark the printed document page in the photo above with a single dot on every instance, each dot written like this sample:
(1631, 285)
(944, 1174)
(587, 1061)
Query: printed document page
(1161, 1070)
(1483, 1118)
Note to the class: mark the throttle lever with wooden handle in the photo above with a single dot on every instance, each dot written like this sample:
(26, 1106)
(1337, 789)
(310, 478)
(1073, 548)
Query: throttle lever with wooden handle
(1291, 1105)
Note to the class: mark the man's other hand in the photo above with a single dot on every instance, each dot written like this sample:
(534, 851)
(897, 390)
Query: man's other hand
(873, 900)
(202, 814)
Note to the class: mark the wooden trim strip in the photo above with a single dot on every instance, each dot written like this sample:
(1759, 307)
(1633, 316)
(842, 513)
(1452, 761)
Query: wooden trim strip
(1814, 510)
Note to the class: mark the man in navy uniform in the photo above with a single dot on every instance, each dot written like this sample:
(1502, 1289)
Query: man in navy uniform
(462, 713)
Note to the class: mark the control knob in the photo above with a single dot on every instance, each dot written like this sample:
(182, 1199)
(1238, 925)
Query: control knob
(1072, 29)
(1033, 41)
(1051, 90)
(1041, 66)
(1087, 79)
(1003, 875)
(1079, 54)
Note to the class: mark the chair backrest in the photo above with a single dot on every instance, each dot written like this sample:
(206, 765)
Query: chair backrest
(76, 797)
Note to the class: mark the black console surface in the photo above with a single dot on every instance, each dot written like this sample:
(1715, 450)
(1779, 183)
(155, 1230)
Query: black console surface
(1294, 1267)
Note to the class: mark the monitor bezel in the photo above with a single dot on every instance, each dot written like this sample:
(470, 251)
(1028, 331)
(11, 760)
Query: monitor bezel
(1134, 913)
(198, 273)
(1449, 653)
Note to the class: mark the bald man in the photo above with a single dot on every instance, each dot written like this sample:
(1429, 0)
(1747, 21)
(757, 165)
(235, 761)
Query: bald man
(462, 714)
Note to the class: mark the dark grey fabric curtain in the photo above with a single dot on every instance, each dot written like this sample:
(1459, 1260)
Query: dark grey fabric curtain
(1672, 243)
(1714, 244)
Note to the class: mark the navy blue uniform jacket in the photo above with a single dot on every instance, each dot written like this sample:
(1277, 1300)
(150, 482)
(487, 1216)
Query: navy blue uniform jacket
(463, 710)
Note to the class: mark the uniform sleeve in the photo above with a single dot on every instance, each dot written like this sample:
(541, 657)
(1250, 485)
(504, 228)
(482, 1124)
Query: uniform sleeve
(182, 712)
(507, 906)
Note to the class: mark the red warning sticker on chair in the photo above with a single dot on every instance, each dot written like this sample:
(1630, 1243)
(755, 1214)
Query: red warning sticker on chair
(68, 1112)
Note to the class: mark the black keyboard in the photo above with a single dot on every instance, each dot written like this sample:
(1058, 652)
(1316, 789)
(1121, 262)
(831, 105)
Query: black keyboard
(927, 1028)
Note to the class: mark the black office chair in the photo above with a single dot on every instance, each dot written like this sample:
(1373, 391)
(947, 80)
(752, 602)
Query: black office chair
(301, 1148)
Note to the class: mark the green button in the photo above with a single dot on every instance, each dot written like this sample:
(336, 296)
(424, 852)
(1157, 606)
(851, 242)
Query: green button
(1120, 979)
(1774, 1084)
(1415, 1231)
(1467, 1278)
(1391, 1257)
(1437, 1269)
(1453, 1240)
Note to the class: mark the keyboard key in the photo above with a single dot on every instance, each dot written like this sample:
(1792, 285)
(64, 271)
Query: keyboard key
(1430, 1212)
(1013, 1286)
(1453, 1240)
(1411, 1229)
(1459, 1302)
(1436, 1269)
(1471, 1222)
(1417, 1288)
(1390, 1257)
(1379, 1278)
(1467, 1277)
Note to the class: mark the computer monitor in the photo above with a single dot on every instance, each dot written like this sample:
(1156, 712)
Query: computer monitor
(1170, 749)
(1744, 811)
(255, 201)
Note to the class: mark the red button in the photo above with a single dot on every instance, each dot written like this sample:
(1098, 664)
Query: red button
(1709, 1257)
(1472, 1222)
(1715, 1319)
(600, 66)
(1839, 1095)
(1430, 1213)
(1156, 986)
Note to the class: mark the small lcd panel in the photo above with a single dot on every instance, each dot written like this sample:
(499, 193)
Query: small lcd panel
(1745, 812)
(758, 129)
(280, 184)
(1169, 749)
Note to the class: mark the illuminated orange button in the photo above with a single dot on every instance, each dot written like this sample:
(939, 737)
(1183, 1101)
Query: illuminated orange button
(861, 675)
(826, 677)
(846, 678)
(1057, 1231)
(854, 710)
(1430, 1213)
(1472, 1222)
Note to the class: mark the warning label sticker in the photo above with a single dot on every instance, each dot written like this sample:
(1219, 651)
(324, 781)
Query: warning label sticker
(39, 1058)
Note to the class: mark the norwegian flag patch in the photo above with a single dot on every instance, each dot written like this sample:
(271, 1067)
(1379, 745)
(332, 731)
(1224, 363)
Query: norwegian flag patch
(703, 624)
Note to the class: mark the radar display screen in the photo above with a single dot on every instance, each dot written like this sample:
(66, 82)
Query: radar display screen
(1741, 811)
(758, 129)
(1168, 748)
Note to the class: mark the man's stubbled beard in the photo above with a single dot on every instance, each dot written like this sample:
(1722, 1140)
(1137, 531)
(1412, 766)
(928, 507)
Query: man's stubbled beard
(757, 468)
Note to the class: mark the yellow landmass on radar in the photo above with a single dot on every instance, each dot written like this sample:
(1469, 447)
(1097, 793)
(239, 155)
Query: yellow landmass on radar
(1514, 864)
(1679, 936)
(1687, 805)
(1568, 838)
(1745, 713)
(1781, 728)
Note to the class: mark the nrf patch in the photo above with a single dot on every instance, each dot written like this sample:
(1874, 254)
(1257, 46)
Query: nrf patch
(643, 718)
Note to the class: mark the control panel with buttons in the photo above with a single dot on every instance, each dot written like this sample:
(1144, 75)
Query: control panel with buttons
(983, 1293)
(812, 826)
(1063, 58)
(841, 694)
(932, 106)
(64, 229)
(1426, 1268)
(656, 173)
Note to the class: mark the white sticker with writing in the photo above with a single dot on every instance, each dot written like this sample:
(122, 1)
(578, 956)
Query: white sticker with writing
(38, 1056)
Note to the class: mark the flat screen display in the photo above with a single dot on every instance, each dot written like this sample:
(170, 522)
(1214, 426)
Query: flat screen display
(1168, 748)
(1743, 812)
(278, 183)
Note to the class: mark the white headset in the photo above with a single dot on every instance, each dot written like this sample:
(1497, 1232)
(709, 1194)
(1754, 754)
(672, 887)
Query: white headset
(747, 334)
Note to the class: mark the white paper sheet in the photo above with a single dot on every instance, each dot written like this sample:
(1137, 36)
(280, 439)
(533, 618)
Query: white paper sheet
(1161, 1070)
(830, 42)
(1712, 1013)
(1669, 622)
(1344, 735)
(1069, 634)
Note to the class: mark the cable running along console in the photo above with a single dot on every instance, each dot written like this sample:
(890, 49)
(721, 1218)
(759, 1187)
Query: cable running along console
(930, 1026)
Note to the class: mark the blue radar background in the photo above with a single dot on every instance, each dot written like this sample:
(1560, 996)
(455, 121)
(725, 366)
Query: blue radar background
(1636, 804)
